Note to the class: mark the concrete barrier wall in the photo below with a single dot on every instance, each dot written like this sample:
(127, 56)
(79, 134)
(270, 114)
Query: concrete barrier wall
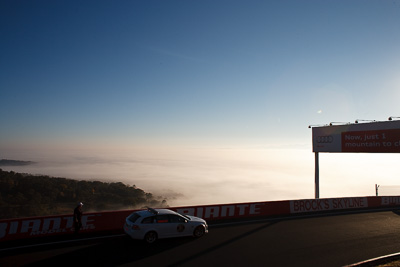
(22, 228)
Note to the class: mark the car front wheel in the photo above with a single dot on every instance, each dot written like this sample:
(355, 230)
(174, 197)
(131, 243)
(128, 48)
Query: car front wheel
(199, 231)
(150, 237)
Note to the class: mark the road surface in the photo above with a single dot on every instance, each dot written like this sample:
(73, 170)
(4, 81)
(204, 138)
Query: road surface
(314, 241)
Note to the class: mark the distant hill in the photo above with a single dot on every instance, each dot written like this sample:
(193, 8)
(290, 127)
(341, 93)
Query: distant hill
(25, 195)
(10, 162)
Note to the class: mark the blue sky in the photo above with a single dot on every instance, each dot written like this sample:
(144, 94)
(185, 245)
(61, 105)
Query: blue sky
(117, 74)
(195, 71)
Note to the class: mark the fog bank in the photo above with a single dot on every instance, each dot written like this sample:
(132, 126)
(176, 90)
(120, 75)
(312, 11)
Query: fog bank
(199, 176)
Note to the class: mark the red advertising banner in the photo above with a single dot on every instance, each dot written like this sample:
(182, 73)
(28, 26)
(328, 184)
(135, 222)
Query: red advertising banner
(380, 141)
(113, 221)
(22, 228)
(236, 211)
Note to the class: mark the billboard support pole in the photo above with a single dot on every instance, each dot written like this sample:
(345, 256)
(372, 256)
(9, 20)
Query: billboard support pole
(316, 175)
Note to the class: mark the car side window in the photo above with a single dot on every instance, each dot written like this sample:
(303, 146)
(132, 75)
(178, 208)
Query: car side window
(162, 219)
(133, 217)
(176, 219)
(148, 220)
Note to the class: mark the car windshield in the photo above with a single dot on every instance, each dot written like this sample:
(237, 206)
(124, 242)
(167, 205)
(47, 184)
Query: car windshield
(186, 217)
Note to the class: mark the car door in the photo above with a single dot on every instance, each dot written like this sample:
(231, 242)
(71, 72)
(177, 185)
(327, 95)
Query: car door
(179, 225)
(147, 224)
(164, 227)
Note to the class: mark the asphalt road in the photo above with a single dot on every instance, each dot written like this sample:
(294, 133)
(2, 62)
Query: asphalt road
(319, 241)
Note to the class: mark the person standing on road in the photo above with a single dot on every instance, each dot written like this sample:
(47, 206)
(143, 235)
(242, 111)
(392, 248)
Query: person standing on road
(78, 217)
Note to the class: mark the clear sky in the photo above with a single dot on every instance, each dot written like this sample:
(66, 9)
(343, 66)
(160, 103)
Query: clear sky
(122, 74)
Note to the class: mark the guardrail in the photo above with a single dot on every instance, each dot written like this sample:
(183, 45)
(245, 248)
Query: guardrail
(112, 221)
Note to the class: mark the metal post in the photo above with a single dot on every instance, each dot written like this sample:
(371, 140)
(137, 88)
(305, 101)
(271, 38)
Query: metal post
(316, 175)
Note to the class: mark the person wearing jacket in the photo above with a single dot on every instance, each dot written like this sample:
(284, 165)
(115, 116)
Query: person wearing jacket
(78, 217)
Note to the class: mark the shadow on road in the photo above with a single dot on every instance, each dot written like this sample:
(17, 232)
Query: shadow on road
(397, 212)
(223, 244)
(112, 253)
(124, 250)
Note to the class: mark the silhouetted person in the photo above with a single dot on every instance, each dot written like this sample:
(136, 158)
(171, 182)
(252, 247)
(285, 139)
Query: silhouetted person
(78, 217)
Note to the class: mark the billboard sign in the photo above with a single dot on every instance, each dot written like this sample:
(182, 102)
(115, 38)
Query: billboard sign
(375, 137)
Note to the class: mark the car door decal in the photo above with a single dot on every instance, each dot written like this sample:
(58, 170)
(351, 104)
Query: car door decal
(180, 228)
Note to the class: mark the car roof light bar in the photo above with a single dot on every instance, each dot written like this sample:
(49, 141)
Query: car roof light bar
(152, 210)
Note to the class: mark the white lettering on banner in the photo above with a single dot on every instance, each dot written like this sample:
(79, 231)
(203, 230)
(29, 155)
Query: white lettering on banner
(254, 209)
(242, 209)
(47, 222)
(313, 205)
(86, 220)
(53, 231)
(222, 211)
(212, 211)
(44, 226)
(3, 228)
(390, 201)
(200, 212)
(33, 225)
(70, 221)
(231, 209)
(13, 228)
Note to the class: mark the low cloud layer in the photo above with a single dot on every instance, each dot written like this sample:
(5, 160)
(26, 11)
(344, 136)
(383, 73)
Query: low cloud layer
(220, 175)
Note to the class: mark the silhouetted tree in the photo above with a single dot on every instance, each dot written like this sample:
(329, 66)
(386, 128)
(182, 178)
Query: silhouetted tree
(23, 195)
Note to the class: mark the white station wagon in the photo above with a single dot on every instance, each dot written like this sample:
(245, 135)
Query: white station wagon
(152, 224)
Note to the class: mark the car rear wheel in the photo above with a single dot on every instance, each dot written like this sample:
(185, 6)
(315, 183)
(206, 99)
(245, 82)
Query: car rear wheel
(150, 237)
(199, 231)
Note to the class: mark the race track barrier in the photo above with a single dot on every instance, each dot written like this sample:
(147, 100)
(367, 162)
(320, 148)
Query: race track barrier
(112, 221)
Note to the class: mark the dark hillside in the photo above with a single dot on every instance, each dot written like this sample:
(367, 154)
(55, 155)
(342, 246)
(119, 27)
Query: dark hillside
(9, 162)
(24, 195)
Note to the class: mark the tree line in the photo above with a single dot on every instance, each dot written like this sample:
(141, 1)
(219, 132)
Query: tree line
(26, 195)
